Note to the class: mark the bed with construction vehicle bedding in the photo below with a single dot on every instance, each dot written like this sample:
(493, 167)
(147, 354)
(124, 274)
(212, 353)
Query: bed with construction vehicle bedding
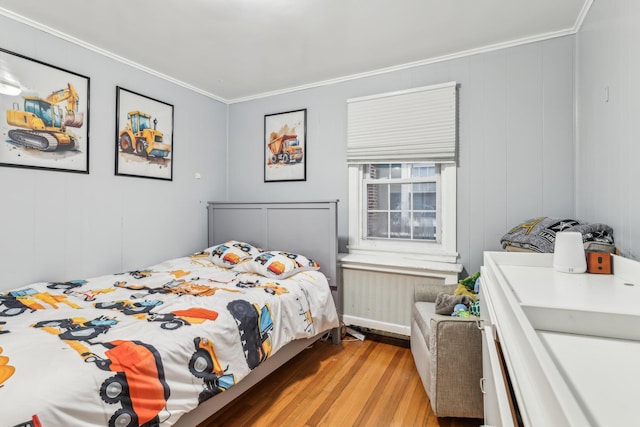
(172, 342)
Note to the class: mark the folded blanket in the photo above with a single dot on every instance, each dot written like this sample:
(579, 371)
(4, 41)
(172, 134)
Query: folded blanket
(539, 234)
(445, 303)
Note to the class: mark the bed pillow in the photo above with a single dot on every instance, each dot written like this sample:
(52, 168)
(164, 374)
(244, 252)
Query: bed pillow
(277, 264)
(231, 253)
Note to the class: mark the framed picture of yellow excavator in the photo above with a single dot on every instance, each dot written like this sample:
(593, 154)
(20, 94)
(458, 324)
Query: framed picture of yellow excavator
(285, 141)
(144, 136)
(45, 124)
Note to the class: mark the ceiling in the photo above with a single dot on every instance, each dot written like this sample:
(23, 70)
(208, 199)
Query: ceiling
(234, 50)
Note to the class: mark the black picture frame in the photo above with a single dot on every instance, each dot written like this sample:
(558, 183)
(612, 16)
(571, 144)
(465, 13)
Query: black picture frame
(285, 146)
(144, 136)
(45, 124)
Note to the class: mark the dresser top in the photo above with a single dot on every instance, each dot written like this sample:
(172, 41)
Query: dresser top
(571, 341)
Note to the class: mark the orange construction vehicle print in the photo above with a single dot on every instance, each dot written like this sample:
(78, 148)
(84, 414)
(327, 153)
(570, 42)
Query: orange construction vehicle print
(227, 256)
(285, 146)
(179, 318)
(169, 321)
(138, 384)
(285, 137)
(33, 422)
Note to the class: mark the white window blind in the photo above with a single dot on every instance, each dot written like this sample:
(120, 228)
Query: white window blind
(417, 125)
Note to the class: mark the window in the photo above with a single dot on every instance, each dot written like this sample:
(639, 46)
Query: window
(401, 150)
(401, 201)
(407, 209)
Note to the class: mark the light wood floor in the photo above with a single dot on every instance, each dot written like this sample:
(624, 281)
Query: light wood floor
(364, 383)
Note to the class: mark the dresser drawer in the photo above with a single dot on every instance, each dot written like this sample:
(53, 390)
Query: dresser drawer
(498, 409)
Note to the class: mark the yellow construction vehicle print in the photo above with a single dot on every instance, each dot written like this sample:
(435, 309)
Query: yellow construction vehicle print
(179, 273)
(204, 364)
(42, 125)
(6, 370)
(139, 137)
(71, 288)
(269, 287)
(175, 287)
(140, 274)
(19, 301)
(305, 311)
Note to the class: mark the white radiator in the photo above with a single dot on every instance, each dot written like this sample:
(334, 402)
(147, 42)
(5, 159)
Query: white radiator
(382, 300)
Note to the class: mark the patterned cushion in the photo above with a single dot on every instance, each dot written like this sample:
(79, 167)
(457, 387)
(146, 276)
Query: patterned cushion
(230, 253)
(277, 264)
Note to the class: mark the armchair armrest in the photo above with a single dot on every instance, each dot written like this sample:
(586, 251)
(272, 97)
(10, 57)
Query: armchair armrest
(456, 358)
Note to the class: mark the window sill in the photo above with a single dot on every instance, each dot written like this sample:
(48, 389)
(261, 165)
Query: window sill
(406, 252)
(396, 263)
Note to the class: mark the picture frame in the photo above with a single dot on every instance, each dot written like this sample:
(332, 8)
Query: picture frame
(45, 120)
(144, 136)
(285, 146)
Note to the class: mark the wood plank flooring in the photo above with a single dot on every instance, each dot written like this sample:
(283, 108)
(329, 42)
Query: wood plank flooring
(359, 383)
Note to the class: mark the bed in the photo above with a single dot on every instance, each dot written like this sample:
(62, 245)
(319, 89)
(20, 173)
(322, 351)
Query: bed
(172, 343)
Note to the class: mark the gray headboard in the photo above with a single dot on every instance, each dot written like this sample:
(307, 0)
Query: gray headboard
(307, 228)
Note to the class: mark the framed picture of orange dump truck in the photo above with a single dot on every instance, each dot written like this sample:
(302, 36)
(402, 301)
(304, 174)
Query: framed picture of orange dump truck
(144, 136)
(285, 141)
(44, 120)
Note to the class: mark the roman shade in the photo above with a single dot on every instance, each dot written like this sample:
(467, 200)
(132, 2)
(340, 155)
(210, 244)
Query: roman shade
(416, 125)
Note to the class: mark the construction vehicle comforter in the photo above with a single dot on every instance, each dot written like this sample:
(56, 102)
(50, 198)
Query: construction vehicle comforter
(142, 348)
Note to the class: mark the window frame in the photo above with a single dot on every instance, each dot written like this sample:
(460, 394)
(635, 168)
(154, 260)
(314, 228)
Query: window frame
(441, 250)
(367, 180)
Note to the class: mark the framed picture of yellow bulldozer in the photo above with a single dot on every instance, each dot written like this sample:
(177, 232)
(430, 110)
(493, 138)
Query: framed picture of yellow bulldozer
(285, 141)
(144, 136)
(45, 124)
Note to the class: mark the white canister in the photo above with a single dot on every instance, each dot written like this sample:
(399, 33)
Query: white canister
(568, 253)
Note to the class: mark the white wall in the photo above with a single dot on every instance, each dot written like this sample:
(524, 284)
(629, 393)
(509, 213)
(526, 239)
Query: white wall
(60, 226)
(515, 133)
(608, 151)
(516, 151)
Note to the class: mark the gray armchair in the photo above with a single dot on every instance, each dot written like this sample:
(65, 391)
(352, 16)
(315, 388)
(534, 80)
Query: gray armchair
(448, 354)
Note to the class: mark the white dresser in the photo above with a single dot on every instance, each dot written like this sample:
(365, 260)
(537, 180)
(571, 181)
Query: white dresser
(559, 349)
